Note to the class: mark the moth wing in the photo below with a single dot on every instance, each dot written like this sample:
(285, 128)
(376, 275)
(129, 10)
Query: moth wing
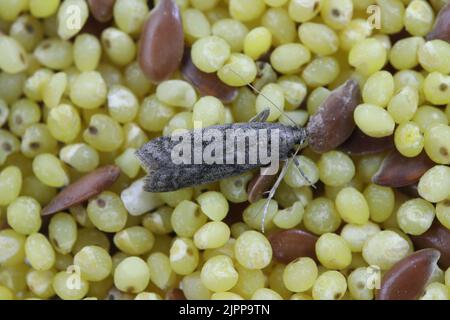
(156, 153)
(182, 176)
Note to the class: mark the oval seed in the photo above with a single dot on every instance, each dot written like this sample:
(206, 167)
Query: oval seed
(87, 187)
(102, 10)
(13, 57)
(360, 144)
(399, 171)
(39, 252)
(292, 244)
(159, 57)
(441, 29)
(259, 185)
(333, 123)
(436, 237)
(397, 283)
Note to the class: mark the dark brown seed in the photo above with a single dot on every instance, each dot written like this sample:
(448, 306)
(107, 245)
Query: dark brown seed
(102, 10)
(291, 244)
(235, 212)
(95, 27)
(259, 184)
(333, 123)
(360, 144)
(407, 279)
(398, 171)
(437, 237)
(441, 29)
(87, 187)
(175, 294)
(410, 190)
(162, 42)
(208, 84)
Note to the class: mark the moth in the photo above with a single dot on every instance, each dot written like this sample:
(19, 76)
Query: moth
(157, 156)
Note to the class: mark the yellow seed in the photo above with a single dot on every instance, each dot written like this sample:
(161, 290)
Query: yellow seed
(378, 89)
(94, 262)
(184, 256)
(218, 274)
(24, 215)
(257, 42)
(88, 90)
(283, 29)
(68, 24)
(13, 57)
(39, 252)
(238, 71)
(253, 250)
(62, 284)
(443, 213)
(50, 170)
(374, 120)
(356, 235)
(318, 38)
(64, 123)
(408, 139)
(214, 205)
(352, 206)
(333, 251)
(246, 10)
(10, 184)
(434, 185)
(274, 93)
(368, 56)
(289, 58)
(330, 285)
(300, 274)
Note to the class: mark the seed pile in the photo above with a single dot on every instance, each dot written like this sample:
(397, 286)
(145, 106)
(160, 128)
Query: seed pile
(79, 95)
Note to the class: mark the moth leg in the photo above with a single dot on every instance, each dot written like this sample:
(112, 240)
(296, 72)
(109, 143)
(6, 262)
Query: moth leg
(297, 165)
(272, 193)
(261, 117)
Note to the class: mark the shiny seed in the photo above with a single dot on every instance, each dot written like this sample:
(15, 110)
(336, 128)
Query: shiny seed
(292, 244)
(333, 123)
(259, 185)
(87, 187)
(410, 190)
(437, 237)
(102, 10)
(208, 84)
(441, 29)
(399, 171)
(360, 144)
(162, 42)
(407, 279)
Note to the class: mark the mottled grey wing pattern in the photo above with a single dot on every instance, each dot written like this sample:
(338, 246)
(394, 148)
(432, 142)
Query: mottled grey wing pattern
(156, 154)
(164, 175)
(174, 178)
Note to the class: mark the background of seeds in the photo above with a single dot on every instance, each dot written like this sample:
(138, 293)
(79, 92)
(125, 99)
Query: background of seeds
(73, 100)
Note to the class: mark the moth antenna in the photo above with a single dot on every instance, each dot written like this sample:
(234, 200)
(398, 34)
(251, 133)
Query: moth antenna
(265, 97)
